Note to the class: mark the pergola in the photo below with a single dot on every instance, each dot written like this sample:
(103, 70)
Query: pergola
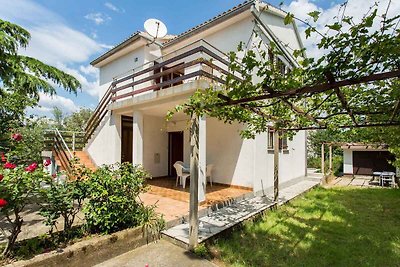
(327, 90)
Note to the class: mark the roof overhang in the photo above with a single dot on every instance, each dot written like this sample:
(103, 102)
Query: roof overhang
(133, 42)
(360, 146)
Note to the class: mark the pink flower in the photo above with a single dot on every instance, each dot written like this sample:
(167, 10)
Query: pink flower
(32, 167)
(16, 137)
(54, 175)
(3, 157)
(9, 165)
(3, 202)
(47, 162)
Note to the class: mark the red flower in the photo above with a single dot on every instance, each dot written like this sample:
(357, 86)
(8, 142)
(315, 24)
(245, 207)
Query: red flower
(9, 165)
(1, 177)
(54, 175)
(47, 162)
(3, 157)
(3, 202)
(32, 167)
(16, 137)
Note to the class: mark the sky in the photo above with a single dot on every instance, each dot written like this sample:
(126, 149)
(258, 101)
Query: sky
(69, 34)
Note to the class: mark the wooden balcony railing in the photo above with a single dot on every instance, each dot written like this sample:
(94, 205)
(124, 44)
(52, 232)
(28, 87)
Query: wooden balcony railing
(197, 60)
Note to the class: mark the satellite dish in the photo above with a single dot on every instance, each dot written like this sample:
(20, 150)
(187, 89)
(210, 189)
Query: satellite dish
(155, 28)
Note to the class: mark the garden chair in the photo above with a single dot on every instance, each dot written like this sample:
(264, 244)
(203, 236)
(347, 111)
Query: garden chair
(387, 177)
(209, 169)
(180, 175)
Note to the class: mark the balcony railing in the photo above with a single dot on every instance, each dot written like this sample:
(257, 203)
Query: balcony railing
(199, 60)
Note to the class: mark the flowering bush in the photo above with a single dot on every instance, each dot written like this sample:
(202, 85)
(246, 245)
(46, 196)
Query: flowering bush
(17, 189)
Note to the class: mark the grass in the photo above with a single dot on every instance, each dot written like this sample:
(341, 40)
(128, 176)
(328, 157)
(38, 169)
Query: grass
(325, 227)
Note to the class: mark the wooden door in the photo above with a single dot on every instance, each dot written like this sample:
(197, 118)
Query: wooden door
(126, 138)
(175, 150)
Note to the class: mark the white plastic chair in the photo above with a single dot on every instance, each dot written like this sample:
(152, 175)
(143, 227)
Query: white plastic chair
(209, 169)
(387, 177)
(180, 175)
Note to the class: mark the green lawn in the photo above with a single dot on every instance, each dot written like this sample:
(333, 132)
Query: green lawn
(325, 227)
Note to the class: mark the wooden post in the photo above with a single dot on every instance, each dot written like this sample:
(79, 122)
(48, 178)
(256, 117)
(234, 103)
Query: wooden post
(276, 165)
(194, 175)
(330, 160)
(323, 159)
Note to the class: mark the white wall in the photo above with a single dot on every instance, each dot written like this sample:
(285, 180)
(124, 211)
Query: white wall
(232, 156)
(347, 161)
(291, 161)
(105, 145)
(155, 142)
(285, 33)
(122, 65)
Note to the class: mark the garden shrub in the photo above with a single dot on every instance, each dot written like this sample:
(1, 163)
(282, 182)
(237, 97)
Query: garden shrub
(113, 199)
(18, 188)
(64, 199)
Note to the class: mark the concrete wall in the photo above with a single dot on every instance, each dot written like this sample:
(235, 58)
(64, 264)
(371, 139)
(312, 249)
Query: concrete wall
(347, 161)
(291, 161)
(232, 156)
(105, 145)
(155, 146)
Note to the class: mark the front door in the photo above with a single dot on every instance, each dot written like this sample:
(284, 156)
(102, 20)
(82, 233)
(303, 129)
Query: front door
(126, 138)
(175, 150)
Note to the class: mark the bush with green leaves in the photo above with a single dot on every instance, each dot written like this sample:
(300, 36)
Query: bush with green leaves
(113, 199)
(64, 199)
(18, 188)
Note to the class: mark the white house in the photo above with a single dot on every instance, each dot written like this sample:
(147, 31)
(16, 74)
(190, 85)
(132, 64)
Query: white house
(142, 80)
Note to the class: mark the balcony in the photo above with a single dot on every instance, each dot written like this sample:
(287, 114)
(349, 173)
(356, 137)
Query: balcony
(192, 62)
(197, 61)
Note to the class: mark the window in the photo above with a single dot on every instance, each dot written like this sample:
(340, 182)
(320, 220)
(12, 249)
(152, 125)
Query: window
(283, 144)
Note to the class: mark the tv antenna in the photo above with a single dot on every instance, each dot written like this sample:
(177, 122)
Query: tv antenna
(155, 28)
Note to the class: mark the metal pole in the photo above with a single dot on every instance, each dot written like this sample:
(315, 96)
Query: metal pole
(194, 181)
(276, 166)
(323, 159)
(73, 141)
(330, 159)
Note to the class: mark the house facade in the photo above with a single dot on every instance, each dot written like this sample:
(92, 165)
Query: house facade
(142, 79)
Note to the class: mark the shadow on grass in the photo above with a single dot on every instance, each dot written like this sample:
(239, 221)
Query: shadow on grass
(325, 227)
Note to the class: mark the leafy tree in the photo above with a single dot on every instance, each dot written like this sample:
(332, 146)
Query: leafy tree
(301, 95)
(354, 50)
(77, 121)
(22, 78)
(58, 118)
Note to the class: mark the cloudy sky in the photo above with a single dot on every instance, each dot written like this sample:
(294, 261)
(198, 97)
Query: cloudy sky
(69, 34)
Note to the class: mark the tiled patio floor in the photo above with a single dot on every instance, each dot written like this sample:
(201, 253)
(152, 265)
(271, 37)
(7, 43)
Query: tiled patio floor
(358, 181)
(165, 187)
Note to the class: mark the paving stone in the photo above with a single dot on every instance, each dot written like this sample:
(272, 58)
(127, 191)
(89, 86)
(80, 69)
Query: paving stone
(229, 216)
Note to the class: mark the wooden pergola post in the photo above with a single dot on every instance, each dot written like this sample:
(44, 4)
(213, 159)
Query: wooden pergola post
(194, 175)
(323, 159)
(276, 165)
(330, 160)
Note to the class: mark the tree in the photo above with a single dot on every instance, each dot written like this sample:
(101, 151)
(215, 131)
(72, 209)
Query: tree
(58, 117)
(77, 121)
(22, 78)
(354, 83)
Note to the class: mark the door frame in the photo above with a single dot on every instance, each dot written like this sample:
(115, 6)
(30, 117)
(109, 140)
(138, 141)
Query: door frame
(126, 119)
(169, 149)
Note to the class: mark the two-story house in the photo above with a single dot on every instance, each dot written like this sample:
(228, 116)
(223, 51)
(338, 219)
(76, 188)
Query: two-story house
(142, 80)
